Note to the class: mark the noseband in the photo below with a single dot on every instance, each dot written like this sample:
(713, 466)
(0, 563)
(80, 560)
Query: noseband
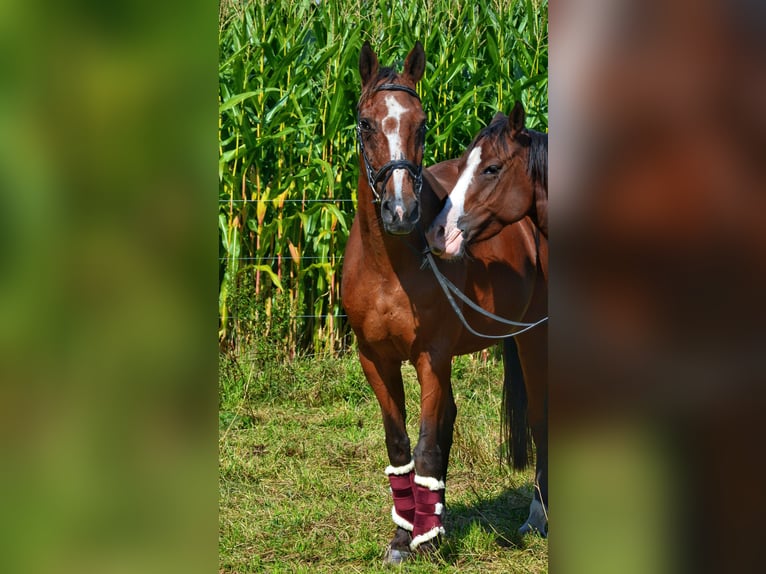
(384, 173)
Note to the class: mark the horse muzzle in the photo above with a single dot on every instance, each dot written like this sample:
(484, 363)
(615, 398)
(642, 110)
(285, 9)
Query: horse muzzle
(398, 218)
(444, 244)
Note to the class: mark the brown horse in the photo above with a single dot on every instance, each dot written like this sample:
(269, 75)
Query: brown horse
(503, 178)
(398, 313)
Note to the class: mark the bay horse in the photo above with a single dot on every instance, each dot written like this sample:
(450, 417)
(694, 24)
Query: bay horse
(503, 178)
(398, 314)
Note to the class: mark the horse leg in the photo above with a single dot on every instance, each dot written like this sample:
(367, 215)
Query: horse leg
(431, 454)
(385, 378)
(446, 429)
(533, 353)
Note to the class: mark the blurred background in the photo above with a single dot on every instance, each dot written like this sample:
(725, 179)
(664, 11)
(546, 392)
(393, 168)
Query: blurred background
(657, 185)
(107, 286)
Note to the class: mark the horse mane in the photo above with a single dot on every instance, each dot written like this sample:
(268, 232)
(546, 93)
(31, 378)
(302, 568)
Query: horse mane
(537, 167)
(537, 164)
(492, 131)
(385, 75)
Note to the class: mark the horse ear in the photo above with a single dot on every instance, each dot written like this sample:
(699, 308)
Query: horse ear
(415, 64)
(517, 117)
(368, 63)
(499, 116)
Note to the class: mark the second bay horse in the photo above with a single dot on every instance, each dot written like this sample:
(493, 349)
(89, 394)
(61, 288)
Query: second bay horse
(503, 177)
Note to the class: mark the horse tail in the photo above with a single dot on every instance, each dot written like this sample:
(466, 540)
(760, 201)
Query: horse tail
(514, 409)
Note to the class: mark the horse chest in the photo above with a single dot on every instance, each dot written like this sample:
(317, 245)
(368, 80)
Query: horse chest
(388, 315)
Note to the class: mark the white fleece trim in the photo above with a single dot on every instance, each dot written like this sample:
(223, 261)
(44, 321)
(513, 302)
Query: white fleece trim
(399, 470)
(426, 536)
(429, 482)
(399, 521)
(438, 509)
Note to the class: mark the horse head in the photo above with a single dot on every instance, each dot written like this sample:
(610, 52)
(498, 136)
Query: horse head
(391, 132)
(502, 178)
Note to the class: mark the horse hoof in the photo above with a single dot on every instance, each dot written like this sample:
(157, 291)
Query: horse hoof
(528, 528)
(396, 556)
(537, 521)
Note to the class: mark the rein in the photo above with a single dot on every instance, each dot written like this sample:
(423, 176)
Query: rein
(449, 289)
(384, 173)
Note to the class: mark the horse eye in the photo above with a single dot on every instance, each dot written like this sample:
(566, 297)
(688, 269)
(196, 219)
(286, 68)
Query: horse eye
(491, 170)
(365, 125)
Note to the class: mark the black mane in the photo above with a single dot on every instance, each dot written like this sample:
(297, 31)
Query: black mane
(492, 131)
(385, 75)
(537, 165)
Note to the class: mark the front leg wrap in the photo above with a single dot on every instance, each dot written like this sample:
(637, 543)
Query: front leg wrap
(403, 510)
(429, 509)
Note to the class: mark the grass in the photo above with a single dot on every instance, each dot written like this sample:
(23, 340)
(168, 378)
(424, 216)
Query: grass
(301, 481)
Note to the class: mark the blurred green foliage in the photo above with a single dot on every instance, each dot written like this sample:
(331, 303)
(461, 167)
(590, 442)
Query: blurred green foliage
(107, 289)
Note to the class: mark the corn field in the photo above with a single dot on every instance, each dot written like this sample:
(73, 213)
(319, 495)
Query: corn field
(288, 88)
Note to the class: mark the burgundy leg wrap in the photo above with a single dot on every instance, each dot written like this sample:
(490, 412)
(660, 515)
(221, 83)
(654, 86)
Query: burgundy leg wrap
(429, 510)
(400, 478)
(404, 501)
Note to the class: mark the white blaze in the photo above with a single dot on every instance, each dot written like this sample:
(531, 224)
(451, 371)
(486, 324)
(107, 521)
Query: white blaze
(391, 131)
(454, 207)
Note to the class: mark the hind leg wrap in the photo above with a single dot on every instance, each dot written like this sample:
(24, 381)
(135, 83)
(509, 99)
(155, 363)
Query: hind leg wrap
(400, 480)
(429, 509)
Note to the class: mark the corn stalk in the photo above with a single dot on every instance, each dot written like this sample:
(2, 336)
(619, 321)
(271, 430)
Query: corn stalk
(288, 87)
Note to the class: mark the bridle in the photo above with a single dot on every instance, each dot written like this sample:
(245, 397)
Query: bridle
(384, 173)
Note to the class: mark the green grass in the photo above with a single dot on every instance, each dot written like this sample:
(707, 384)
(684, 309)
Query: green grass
(301, 482)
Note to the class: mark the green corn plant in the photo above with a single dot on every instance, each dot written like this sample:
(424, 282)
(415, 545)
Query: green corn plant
(288, 87)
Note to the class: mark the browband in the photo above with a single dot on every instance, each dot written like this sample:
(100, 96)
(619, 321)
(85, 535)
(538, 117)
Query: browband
(397, 88)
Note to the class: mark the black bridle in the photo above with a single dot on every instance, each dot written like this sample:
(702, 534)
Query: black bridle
(384, 173)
